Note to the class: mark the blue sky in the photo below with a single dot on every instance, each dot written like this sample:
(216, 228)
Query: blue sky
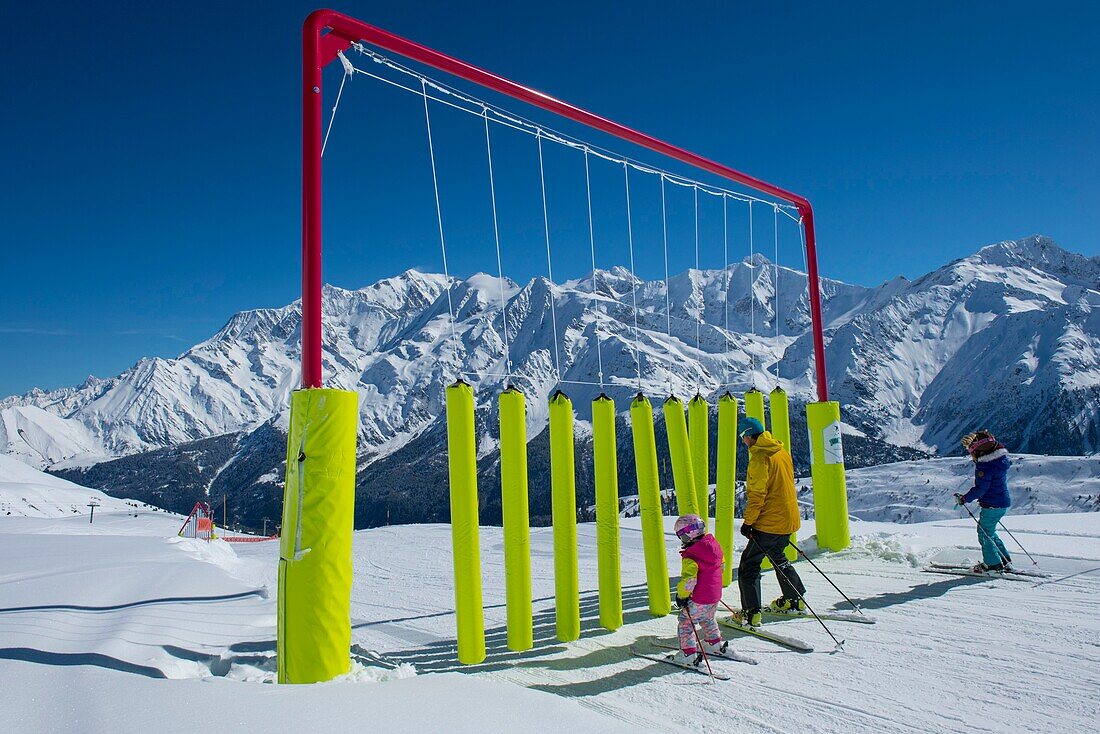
(151, 157)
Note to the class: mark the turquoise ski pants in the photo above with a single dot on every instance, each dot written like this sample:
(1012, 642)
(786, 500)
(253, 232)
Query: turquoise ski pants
(993, 550)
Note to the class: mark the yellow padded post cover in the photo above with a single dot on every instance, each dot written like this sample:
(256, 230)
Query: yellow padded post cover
(679, 451)
(827, 472)
(649, 503)
(607, 512)
(563, 491)
(726, 482)
(517, 529)
(462, 464)
(313, 636)
(699, 434)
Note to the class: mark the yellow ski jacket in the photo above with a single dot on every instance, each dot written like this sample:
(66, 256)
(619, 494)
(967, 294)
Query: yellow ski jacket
(772, 506)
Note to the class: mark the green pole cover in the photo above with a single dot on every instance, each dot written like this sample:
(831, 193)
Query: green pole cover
(649, 502)
(462, 465)
(563, 490)
(699, 433)
(517, 532)
(726, 482)
(780, 422)
(607, 512)
(827, 472)
(679, 451)
(313, 635)
(754, 405)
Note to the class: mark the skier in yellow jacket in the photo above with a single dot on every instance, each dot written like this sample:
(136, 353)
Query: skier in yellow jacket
(771, 515)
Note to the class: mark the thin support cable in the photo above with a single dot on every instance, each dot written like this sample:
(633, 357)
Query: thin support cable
(496, 240)
(752, 301)
(726, 295)
(522, 124)
(703, 303)
(668, 297)
(592, 245)
(348, 71)
(775, 292)
(549, 263)
(633, 278)
(439, 219)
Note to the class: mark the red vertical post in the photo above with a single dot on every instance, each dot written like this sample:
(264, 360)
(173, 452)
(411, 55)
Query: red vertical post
(817, 326)
(311, 204)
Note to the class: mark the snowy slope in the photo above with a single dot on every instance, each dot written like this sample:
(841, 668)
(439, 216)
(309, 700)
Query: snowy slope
(27, 492)
(92, 623)
(917, 491)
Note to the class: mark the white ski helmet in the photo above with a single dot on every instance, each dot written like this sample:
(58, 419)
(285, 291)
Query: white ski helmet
(689, 528)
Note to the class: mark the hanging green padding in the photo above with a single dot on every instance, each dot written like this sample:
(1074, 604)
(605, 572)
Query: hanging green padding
(462, 466)
(649, 504)
(779, 417)
(517, 531)
(725, 482)
(563, 494)
(827, 472)
(754, 405)
(780, 427)
(607, 512)
(679, 451)
(313, 636)
(699, 434)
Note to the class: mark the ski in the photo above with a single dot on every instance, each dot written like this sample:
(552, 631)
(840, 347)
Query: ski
(727, 655)
(831, 616)
(994, 575)
(788, 642)
(718, 675)
(1013, 572)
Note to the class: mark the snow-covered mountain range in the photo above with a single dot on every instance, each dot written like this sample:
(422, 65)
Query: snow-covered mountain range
(1008, 338)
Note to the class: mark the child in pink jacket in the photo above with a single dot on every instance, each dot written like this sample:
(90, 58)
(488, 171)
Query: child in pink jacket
(699, 590)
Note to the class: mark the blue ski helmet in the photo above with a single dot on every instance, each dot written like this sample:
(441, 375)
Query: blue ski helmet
(750, 427)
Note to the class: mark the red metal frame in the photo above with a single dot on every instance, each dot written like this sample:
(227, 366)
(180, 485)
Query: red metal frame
(320, 48)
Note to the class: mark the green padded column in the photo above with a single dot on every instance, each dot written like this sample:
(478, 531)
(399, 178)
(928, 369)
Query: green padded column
(517, 532)
(649, 502)
(780, 426)
(699, 435)
(607, 512)
(563, 492)
(313, 636)
(725, 482)
(827, 471)
(679, 451)
(779, 417)
(754, 405)
(462, 465)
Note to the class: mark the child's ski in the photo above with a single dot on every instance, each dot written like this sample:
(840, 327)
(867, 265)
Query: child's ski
(718, 675)
(831, 616)
(1013, 572)
(727, 655)
(789, 642)
(966, 571)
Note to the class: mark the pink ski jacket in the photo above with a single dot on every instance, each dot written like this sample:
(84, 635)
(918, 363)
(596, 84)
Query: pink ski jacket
(701, 571)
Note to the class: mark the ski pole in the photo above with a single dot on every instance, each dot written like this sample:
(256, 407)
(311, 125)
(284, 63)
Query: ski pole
(1004, 558)
(801, 553)
(1033, 561)
(778, 569)
(694, 631)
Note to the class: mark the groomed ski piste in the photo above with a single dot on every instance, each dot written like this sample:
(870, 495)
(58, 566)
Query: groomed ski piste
(118, 625)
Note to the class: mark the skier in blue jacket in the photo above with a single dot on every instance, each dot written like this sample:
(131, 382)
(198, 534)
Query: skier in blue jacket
(991, 491)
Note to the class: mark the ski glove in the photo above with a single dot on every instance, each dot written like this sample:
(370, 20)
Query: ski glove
(746, 530)
(959, 499)
(682, 601)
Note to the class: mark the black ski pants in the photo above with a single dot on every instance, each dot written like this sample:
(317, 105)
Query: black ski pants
(748, 572)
